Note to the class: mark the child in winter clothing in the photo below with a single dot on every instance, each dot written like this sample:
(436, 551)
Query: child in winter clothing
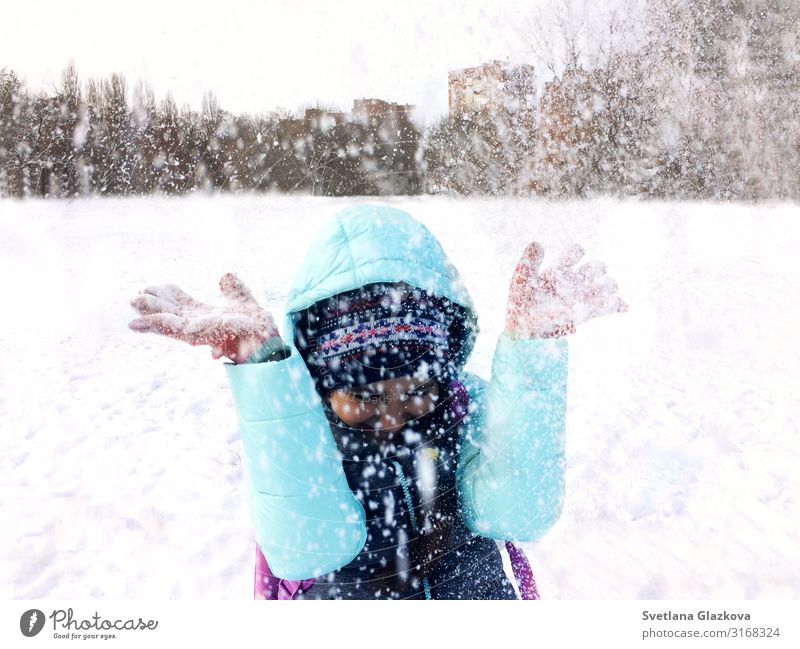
(377, 467)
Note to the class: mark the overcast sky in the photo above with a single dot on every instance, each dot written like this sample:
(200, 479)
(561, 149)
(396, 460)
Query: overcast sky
(258, 55)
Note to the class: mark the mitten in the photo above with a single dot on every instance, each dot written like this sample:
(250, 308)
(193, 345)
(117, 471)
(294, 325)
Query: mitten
(239, 329)
(551, 303)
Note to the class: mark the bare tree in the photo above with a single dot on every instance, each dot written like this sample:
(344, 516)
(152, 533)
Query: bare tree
(577, 34)
(13, 99)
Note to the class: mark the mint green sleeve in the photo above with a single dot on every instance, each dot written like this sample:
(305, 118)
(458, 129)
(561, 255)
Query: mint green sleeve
(511, 471)
(307, 520)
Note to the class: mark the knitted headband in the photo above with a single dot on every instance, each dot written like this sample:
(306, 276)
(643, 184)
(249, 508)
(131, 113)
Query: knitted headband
(377, 332)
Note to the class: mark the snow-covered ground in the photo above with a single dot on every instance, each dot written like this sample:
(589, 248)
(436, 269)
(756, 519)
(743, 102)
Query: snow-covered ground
(120, 463)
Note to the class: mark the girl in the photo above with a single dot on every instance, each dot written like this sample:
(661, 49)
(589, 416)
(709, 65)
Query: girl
(377, 467)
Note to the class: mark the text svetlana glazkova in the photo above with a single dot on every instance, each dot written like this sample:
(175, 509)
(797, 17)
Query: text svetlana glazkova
(698, 615)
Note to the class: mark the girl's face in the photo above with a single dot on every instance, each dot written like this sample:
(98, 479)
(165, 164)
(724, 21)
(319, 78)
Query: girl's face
(385, 406)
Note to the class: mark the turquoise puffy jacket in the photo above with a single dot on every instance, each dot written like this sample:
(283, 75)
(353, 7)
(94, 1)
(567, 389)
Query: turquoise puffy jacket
(511, 468)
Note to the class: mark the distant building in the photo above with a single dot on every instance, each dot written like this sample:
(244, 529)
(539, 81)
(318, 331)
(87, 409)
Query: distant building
(314, 120)
(494, 88)
(376, 111)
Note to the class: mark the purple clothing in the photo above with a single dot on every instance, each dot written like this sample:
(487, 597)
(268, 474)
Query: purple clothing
(522, 572)
(268, 586)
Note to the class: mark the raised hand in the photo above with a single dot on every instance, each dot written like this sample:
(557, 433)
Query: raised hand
(235, 330)
(551, 303)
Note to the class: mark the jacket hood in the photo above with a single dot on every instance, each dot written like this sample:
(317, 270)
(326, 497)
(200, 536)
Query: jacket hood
(366, 244)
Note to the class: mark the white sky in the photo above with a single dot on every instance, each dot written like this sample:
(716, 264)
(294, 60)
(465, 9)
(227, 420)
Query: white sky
(260, 55)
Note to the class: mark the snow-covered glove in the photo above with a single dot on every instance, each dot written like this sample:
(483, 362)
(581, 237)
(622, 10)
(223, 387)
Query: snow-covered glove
(551, 303)
(237, 330)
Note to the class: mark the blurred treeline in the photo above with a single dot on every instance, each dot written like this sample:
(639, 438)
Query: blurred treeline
(695, 100)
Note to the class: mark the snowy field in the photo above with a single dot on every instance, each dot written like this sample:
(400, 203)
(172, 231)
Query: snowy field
(120, 463)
